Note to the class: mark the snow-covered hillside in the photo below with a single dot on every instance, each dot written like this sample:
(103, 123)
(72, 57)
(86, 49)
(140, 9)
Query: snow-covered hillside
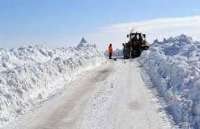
(174, 67)
(32, 74)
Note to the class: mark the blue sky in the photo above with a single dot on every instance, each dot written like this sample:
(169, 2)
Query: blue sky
(64, 22)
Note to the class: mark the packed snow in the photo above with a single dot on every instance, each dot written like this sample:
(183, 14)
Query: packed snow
(174, 67)
(100, 99)
(32, 74)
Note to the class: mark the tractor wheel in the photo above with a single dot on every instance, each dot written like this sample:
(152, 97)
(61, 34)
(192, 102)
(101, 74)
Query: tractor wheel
(146, 48)
(136, 53)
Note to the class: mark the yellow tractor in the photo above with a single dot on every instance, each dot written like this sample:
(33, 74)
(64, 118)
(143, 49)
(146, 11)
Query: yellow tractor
(136, 44)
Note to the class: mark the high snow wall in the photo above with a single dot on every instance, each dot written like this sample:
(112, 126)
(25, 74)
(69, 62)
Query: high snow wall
(31, 74)
(174, 67)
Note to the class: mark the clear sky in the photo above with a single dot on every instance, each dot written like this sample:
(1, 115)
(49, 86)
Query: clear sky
(64, 22)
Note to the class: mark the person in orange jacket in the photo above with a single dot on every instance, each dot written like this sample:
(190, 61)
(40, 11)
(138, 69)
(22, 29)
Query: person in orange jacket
(110, 51)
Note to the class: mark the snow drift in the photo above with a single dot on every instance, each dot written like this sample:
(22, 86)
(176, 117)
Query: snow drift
(174, 67)
(31, 74)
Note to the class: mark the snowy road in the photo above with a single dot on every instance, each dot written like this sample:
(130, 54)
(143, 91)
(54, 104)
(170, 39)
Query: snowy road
(112, 96)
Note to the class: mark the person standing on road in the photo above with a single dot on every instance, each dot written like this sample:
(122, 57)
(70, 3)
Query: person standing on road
(110, 51)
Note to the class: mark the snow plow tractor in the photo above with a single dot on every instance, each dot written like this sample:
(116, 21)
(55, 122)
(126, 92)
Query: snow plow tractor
(136, 44)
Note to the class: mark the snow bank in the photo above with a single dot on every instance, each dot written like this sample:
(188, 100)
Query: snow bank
(29, 75)
(174, 67)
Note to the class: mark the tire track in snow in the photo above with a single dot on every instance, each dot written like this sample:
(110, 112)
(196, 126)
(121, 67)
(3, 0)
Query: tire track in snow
(64, 112)
(123, 102)
(111, 97)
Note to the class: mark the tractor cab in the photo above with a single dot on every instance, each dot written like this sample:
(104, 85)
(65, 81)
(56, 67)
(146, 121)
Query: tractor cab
(136, 44)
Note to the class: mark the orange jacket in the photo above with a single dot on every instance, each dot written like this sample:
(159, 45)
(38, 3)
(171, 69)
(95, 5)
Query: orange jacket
(110, 50)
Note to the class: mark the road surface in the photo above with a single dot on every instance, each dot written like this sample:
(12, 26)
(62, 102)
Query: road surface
(112, 96)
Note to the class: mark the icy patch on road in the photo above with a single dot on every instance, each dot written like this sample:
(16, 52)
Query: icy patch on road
(174, 68)
(31, 74)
